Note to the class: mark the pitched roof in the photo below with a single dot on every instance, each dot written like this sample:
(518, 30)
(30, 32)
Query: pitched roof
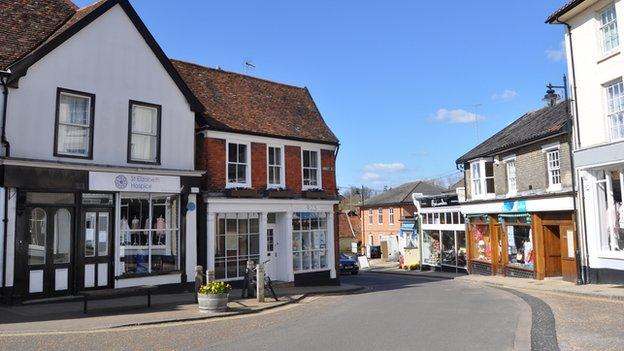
(27, 23)
(545, 122)
(241, 103)
(562, 10)
(402, 194)
(43, 25)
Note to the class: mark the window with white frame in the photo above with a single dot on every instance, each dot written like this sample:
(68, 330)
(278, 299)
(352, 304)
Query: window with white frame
(74, 123)
(475, 174)
(511, 176)
(391, 215)
(554, 168)
(311, 169)
(275, 167)
(237, 241)
(149, 233)
(615, 110)
(379, 216)
(144, 133)
(370, 216)
(237, 164)
(482, 178)
(609, 29)
(309, 231)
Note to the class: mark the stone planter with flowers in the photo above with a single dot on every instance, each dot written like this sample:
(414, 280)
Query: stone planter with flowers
(213, 297)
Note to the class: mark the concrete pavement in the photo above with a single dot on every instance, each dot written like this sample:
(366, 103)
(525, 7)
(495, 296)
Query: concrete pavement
(393, 313)
(131, 311)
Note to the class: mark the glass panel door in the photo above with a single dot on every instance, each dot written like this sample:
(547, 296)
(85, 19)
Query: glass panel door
(95, 239)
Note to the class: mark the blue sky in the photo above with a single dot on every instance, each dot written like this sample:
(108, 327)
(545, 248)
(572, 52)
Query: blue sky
(393, 79)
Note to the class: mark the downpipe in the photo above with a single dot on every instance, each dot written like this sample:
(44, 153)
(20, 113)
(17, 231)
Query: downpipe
(4, 78)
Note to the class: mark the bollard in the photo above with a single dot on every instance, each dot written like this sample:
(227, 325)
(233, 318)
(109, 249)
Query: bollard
(260, 282)
(199, 279)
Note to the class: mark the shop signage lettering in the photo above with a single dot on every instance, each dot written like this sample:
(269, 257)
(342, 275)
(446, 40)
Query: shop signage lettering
(104, 181)
(514, 206)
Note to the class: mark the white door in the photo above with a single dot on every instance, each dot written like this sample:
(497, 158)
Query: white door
(271, 265)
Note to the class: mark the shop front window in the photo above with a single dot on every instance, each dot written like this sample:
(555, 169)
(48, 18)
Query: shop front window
(480, 239)
(461, 248)
(237, 241)
(149, 233)
(520, 246)
(449, 250)
(610, 191)
(37, 230)
(431, 247)
(309, 241)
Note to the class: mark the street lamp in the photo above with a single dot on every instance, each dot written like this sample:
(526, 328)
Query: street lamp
(551, 96)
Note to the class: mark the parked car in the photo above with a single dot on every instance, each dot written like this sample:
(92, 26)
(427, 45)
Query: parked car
(349, 264)
(375, 252)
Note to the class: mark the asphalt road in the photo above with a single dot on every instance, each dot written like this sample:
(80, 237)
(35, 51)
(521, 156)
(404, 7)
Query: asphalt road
(393, 313)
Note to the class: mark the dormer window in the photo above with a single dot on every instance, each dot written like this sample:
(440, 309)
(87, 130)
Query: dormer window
(482, 175)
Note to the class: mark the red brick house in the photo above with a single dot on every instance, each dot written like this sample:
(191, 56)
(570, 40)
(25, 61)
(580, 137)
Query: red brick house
(349, 230)
(270, 184)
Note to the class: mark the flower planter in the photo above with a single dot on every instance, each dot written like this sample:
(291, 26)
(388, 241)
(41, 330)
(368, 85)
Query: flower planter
(279, 194)
(315, 195)
(211, 303)
(248, 193)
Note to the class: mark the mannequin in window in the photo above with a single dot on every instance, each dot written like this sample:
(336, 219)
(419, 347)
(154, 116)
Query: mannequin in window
(135, 224)
(160, 229)
(125, 231)
(613, 227)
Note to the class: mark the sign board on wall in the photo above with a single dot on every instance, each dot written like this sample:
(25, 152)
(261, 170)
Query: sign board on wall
(105, 181)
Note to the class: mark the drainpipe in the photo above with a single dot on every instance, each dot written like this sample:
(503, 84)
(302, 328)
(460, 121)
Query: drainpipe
(580, 268)
(4, 77)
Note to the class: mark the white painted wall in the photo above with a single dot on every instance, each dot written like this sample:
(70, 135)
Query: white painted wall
(110, 59)
(593, 69)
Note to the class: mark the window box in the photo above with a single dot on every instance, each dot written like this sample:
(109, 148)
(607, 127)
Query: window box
(243, 192)
(279, 193)
(315, 194)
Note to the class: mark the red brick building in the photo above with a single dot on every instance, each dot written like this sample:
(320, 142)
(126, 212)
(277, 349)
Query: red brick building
(349, 230)
(270, 183)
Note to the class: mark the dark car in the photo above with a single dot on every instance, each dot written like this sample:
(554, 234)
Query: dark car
(348, 264)
(375, 251)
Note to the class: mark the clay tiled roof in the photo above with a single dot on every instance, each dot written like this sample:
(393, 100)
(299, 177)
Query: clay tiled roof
(402, 194)
(545, 122)
(240, 103)
(28, 23)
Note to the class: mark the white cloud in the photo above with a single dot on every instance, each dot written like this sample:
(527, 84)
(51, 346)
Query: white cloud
(456, 116)
(371, 177)
(555, 55)
(385, 167)
(505, 95)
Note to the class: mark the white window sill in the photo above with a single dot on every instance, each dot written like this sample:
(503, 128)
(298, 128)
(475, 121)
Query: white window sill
(609, 55)
(276, 186)
(234, 186)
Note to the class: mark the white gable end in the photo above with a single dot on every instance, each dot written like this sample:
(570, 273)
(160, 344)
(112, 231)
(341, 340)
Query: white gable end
(110, 59)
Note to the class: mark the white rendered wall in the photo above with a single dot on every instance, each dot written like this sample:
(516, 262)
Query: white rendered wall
(110, 59)
(593, 70)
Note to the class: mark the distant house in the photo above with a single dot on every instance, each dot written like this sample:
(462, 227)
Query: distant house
(381, 215)
(519, 199)
(349, 230)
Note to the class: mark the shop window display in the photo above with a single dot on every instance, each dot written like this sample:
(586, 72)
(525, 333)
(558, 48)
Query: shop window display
(237, 241)
(520, 246)
(149, 235)
(449, 251)
(431, 247)
(610, 187)
(480, 236)
(309, 230)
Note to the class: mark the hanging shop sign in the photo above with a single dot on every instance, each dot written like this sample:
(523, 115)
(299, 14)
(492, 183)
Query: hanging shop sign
(148, 183)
